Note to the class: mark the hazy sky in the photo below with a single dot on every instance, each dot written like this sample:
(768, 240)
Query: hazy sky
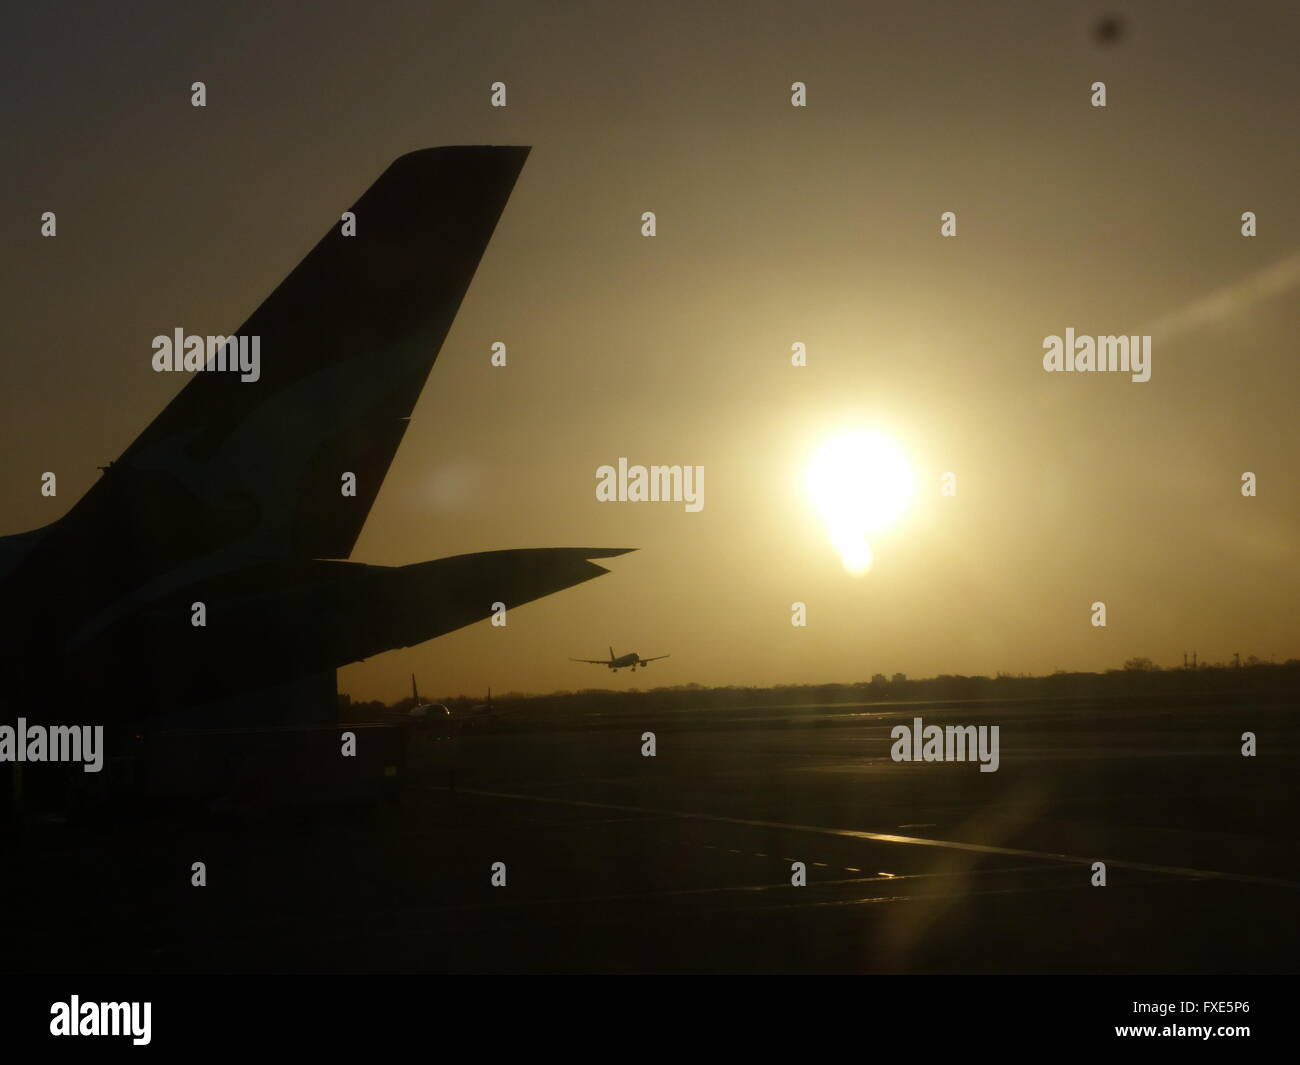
(775, 224)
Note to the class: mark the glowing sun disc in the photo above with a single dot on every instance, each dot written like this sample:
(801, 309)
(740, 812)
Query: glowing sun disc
(860, 482)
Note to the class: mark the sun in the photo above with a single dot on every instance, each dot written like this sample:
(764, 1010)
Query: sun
(861, 483)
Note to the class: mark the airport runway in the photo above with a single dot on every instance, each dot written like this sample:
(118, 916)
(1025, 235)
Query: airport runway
(682, 862)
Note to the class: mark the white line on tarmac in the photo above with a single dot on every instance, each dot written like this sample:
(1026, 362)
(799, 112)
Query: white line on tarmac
(884, 837)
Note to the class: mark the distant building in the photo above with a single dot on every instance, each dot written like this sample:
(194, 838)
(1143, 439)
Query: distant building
(899, 678)
(878, 678)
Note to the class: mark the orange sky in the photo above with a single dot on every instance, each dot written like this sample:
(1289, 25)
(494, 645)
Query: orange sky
(775, 225)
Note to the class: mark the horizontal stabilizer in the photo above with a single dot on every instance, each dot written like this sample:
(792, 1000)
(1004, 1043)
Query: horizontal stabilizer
(279, 622)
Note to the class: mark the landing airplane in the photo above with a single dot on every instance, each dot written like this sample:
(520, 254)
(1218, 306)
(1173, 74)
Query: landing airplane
(631, 659)
(229, 506)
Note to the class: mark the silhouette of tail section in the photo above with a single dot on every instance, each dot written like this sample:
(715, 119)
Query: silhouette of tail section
(346, 343)
(243, 498)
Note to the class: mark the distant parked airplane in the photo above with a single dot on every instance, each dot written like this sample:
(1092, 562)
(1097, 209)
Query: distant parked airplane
(631, 659)
(421, 709)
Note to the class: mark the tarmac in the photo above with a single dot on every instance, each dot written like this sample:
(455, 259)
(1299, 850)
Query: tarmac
(685, 861)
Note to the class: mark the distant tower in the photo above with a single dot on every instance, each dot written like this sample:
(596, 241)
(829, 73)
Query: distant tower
(1193, 659)
(1184, 659)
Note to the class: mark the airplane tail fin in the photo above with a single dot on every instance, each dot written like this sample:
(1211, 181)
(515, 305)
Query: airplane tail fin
(415, 692)
(346, 342)
(611, 654)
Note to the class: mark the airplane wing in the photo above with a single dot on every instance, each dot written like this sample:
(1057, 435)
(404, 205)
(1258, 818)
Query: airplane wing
(656, 658)
(592, 661)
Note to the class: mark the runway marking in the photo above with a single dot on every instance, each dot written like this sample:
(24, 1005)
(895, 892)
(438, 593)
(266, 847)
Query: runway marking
(742, 889)
(886, 837)
(868, 899)
(780, 886)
